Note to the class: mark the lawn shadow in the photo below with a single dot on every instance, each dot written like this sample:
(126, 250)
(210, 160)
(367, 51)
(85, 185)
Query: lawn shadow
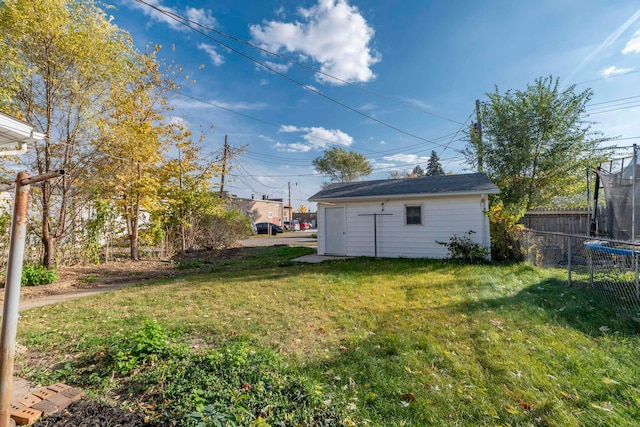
(578, 306)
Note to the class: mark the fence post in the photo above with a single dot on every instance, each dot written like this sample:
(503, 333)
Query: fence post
(526, 244)
(635, 268)
(569, 260)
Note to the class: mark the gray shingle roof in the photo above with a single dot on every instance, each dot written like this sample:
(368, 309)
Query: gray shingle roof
(474, 183)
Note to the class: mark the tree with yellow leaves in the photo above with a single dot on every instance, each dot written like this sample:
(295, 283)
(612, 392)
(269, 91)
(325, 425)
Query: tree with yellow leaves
(59, 60)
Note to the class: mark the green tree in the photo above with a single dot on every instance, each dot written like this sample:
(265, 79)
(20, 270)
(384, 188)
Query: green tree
(187, 190)
(342, 165)
(434, 168)
(417, 172)
(134, 138)
(536, 144)
(59, 60)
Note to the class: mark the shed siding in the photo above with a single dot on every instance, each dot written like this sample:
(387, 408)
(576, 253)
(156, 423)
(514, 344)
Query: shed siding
(442, 217)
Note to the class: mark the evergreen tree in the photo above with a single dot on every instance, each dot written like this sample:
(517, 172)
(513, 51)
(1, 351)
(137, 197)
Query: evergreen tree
(434, 168)
(417, 172)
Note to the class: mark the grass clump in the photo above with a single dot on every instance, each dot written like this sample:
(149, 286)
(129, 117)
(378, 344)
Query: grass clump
(35, 275)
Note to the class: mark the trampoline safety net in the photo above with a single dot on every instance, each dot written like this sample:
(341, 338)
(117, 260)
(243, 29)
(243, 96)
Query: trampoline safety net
(618, 191)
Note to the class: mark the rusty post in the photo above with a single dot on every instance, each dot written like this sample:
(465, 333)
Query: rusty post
(12, 296)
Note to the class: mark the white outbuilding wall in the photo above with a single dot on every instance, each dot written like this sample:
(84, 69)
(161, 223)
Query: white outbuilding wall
(442, 217)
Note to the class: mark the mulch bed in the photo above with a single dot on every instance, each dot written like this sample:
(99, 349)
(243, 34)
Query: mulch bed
(92, 413)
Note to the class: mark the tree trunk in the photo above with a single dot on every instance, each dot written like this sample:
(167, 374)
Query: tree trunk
(135, 252)
(48, 240)
(49, 243)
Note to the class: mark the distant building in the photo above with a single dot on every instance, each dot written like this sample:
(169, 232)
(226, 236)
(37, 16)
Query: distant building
(262, 210)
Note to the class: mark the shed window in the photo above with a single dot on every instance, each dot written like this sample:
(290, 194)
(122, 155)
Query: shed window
(414, 215)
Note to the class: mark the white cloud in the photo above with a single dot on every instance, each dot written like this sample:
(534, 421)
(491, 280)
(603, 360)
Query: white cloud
(410, 159)
(264, 82)
(605, 44)
(613, 70)
(316, 138)
(319, 137)
(215, 57)
(633, 45)
(201, 16)
(419, 103)
(281, 68)
(296, 147)
(383, 165)
(288, 129)
(332, 33)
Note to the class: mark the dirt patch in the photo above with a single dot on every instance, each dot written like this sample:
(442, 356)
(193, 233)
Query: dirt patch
(124, 272)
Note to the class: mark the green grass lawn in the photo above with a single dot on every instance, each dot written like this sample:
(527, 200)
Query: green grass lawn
(355, 342)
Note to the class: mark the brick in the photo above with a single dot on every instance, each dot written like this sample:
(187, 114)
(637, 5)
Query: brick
(15, 405)
(46, 407)
(28, 399)
(61, 401)
(26, 416)
(58, 387)
(73, 393)
(43, 393)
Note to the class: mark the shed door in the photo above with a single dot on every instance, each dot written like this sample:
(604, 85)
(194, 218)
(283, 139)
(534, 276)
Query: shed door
(335, 235)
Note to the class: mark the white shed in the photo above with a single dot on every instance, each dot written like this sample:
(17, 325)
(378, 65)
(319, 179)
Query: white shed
(395, 218)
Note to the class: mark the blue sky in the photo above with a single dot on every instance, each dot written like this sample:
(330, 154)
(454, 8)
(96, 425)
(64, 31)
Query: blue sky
(408, 74)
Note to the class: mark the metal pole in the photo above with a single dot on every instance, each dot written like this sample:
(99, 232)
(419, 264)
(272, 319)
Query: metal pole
(633, 193)
(12, 295)
(375, 234)
(569, 262)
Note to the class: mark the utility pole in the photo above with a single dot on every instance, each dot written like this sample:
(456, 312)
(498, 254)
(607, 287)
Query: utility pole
(224, 164)
(478, 129)
(290, 209)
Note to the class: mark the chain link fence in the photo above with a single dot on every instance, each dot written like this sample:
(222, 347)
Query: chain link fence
(609, 267)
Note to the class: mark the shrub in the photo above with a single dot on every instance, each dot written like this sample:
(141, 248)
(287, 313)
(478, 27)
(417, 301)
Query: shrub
(221, 231)
(146, 345)
(505, 231)
(34, 275)
(465, 249)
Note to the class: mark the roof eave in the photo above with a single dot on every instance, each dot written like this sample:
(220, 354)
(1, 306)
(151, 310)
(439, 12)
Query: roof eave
(403, 196)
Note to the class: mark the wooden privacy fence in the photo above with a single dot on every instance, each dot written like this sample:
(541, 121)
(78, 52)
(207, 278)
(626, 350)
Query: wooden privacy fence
(570, 221)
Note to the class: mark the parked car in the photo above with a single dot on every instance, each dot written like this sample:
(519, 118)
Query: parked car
(292, 226)
(263, 228)
(304, 225)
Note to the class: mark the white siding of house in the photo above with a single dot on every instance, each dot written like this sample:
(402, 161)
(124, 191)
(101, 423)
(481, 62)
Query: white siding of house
(442, 217)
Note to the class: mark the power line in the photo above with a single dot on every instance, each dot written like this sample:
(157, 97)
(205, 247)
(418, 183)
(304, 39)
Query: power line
(183, 20)
(615, 100)
(608, 77)
(614, 109)
(304, 86)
